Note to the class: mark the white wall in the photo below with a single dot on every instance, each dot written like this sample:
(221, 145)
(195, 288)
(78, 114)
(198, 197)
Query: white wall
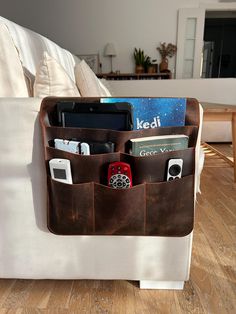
(85, 26)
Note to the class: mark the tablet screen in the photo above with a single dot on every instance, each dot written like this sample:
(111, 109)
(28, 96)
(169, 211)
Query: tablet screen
(114, 121)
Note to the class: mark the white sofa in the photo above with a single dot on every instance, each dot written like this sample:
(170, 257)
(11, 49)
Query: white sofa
(27, 248)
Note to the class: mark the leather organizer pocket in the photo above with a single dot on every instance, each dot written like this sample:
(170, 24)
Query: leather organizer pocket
(70, 208)
(120, 138)
(151, 209)
(154, 168)
(92, 168)
(95, 209)
(119, 211)
(170, 207)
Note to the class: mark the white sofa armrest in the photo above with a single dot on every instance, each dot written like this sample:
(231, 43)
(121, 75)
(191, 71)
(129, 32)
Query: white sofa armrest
(29, 250)
(22, 171)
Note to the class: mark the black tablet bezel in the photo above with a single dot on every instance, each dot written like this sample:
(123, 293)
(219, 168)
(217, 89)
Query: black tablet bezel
(95, 107)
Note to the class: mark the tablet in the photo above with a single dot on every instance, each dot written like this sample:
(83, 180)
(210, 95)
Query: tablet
(115, 116)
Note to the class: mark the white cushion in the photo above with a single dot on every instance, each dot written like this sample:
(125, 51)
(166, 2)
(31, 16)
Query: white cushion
(32, 45)
(88, 83)
(52, 80)
(12, 81)
(104, 85)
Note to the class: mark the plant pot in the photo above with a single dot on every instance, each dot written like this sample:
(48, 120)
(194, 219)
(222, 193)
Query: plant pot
(152, 69)
(163, 65)
(139, 69)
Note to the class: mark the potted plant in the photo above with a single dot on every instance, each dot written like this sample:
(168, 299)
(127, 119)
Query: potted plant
(147, 63)
(166, 50)
(139, 59)
(152, 67)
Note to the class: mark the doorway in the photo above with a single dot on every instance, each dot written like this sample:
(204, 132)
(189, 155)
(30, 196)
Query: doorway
(219, 51)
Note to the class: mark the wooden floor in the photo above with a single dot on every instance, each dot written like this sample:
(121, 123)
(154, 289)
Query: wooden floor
(212, 284)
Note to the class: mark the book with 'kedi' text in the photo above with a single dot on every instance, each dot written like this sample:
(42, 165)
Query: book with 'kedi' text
(154, 112)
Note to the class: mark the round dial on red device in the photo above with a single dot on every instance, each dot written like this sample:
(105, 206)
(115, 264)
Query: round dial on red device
(119, 182)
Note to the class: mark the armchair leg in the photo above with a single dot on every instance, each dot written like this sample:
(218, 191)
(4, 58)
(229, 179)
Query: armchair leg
(154, 284)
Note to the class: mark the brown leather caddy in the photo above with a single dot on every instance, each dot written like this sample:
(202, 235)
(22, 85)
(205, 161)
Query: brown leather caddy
(152, 207)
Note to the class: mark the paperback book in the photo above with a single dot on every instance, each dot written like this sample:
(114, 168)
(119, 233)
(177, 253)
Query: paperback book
(154, 112)
(151, 145)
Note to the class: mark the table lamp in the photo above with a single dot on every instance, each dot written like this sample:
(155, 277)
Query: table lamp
(110, 51)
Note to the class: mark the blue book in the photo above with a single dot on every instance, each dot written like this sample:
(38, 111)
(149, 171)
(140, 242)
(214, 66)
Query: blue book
(154, 112)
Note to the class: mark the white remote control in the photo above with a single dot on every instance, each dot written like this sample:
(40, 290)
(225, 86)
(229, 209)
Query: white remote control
(174, 169)
(60, 170)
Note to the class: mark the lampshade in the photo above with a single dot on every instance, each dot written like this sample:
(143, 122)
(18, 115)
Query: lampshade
(110, 50)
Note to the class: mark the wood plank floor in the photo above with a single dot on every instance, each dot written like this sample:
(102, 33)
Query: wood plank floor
(212, 284)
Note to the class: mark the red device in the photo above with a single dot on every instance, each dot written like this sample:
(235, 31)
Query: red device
(119, 175)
